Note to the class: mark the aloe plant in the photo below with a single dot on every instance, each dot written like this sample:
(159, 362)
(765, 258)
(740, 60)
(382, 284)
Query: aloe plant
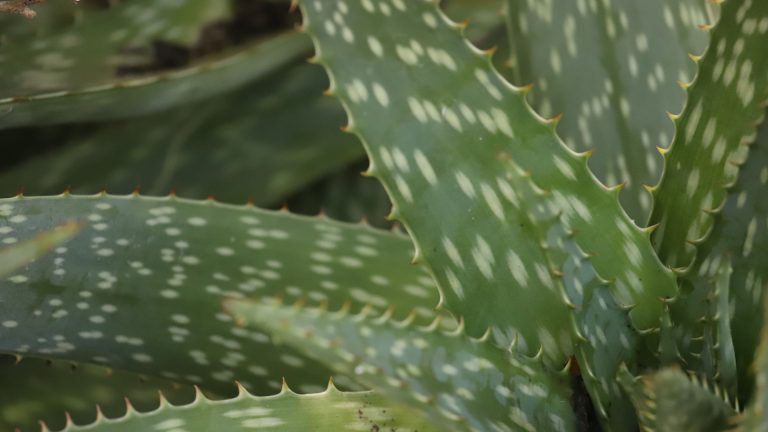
(534, 286)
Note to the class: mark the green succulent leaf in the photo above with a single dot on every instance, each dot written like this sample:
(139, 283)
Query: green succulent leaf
(468, 149)
(20, 254)
(754, 418)
(726, 101)
(48, 391)
(458, 382)
(276, 135)
(331, 410)
(669, 400)
(741, 232)
(140, 289)
(73, 74)
(626, 57)
(699, 331)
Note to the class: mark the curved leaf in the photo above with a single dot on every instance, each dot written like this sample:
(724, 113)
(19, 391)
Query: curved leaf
(726, 101)
(140, 288)
(275, 135)
(72, 75)
(464, 141)
(44, 390)
(626, 57)
(459, 383)
(754, 418)
(670, 401)
(329, 411)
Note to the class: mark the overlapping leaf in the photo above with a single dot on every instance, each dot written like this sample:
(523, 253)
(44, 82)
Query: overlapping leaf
(140, 288)
(740, 235)
(330, 410)
(670, 401)
(44, 390)
(754, 418)
(71, 74)
(449, 138)
(701, 222)
(275, 135)
(726, 102)
(626, 57)
(460, 383)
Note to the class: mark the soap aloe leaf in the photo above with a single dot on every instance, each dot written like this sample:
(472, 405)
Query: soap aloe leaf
(726, 103)
(627, 57)
(48, 391)
(275, 135)
(331, 410)
(140, 288)
(79, 81)
(453, 159)
(671, 401)
(457, 382)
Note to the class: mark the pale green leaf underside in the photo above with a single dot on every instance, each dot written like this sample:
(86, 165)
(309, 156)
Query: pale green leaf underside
(626, 57)
(140, 288)
(671, 401)
(725, 104)
(60, 89)
(275, 136)
(330, 411)
(43, 390)
(456, 146)
(458, 382)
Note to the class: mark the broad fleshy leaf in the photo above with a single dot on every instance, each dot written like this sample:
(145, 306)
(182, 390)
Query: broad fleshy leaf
(329, 411)
(72, 74)
(715, 164)
(626, 57)
(458, 382)
(699, 331)
(140, 288)
(726, 102)
(741, 232)
(275, 135)
(467, 156)
(671, 401)
(44, 390)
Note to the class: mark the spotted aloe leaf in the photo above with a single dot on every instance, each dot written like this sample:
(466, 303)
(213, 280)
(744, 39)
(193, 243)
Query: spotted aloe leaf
(140, 288)
(458, 382)
(331, 410)
(18, 255)
(277, 135)
(741, 232)
(700, 335)
(73, 74)
(45, 390)
(714, 133)
(626, 56)
(470, 154)
(726, 102)
(669, 400)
